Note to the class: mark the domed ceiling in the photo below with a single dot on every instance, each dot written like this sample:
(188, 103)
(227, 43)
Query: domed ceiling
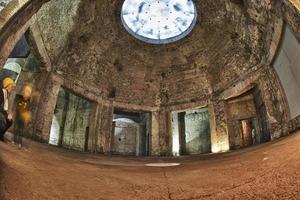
(88, 42)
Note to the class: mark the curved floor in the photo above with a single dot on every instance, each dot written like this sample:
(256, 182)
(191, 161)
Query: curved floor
(270, 171)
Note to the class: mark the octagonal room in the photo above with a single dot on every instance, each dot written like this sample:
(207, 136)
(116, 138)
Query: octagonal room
(149, 99)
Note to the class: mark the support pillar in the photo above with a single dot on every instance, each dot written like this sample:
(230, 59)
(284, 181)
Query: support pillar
(93, 132)
(43, 118)
(219, 132)
(161, 136)
(104, 129)
(155, 147)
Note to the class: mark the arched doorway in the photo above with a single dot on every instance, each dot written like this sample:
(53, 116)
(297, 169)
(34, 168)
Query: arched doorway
(131, 133)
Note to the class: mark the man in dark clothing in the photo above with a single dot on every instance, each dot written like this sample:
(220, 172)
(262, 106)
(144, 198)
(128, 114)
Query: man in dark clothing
(5, 117)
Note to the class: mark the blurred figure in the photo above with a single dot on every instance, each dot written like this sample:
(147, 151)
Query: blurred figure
(6, 119)
(23, 114)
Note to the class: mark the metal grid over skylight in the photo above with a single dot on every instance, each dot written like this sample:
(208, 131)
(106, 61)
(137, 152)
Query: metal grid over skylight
(159, 21)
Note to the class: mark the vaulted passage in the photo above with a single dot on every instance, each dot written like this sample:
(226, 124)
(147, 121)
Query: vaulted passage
(160, 81)
(246, 120)
(131, 133)
(71, 121)
(191, 132)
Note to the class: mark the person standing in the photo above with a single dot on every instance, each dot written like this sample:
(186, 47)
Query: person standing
(6, 118)
(23, 114)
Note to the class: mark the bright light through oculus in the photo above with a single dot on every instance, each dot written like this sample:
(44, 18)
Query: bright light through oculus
(159, 21)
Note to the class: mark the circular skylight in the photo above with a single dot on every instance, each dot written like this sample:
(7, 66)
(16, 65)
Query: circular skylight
(159, 21)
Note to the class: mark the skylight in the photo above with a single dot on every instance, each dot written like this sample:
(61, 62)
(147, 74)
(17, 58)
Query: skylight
(159, 21)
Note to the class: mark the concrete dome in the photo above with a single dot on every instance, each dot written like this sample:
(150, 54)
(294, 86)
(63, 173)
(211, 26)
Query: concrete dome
(232, 82)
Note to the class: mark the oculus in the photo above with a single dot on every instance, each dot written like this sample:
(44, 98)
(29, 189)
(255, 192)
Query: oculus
(159, 21)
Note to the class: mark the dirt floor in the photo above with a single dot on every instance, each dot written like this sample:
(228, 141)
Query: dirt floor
(38, 172)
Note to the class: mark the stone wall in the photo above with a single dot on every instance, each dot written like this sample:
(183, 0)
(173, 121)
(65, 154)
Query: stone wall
(73, 114)
(126, 134)
(230, 50)
(197, 132)
(60, 16)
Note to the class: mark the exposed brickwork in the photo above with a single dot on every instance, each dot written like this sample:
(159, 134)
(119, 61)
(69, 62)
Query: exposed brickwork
(88, 51)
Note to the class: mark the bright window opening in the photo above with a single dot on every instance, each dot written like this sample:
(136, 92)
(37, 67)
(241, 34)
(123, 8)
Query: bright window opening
(159, 21)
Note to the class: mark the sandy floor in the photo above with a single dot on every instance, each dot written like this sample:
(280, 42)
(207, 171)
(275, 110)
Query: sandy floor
(270, 171)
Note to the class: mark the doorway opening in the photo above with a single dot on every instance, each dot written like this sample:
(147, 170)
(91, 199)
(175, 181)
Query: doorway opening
(71, 121)
(248, 132)
(24, 67)
(191, 132)
(247, 120)
(131, 133)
